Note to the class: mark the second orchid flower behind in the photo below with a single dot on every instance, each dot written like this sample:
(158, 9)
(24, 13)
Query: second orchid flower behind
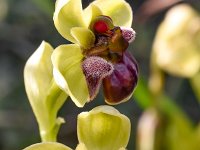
(101, 36)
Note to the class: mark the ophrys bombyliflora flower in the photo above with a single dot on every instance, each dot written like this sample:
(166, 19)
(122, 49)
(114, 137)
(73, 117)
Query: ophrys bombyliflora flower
(101, 34)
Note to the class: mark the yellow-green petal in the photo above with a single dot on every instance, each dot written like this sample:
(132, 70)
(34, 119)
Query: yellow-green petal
(119, 10)
(68, 73)
(68, 14)
(44, 95)
(91, 12)
(48, 146)
(84, 37)
(103, 128)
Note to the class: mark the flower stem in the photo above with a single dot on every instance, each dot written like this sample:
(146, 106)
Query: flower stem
(48, 121)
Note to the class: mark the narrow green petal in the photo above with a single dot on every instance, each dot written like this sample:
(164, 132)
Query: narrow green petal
(68, 14)
(84, 37)
(48, 146)
(91, 12)
(44, 95)
(119, 10)
(68, 73)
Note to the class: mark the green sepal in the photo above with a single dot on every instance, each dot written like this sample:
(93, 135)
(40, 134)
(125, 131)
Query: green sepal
(68, 14)
(68, 73)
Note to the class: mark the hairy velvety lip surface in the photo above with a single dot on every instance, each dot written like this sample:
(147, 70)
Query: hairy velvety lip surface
(128, 33)
(95, 69)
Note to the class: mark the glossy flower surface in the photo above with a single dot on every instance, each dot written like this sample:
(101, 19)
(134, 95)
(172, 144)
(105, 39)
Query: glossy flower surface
(101, 36)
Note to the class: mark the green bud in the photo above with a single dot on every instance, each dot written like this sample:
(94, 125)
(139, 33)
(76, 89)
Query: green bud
(103, 128)
(48, 146)
(44, 95)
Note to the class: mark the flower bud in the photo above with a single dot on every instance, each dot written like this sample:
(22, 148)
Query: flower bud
(103, 128)
(48, 146)
(44, 95)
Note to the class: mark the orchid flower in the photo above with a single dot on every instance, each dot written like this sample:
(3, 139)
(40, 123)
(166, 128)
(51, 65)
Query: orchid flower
(100, 34)
(176, 48)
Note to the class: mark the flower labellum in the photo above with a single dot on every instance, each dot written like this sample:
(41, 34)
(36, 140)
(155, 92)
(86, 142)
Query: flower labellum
(109, 62)
(119, 86)
(95, 69)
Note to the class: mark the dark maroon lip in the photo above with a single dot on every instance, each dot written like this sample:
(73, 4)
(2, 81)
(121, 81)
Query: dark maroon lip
(121, 83)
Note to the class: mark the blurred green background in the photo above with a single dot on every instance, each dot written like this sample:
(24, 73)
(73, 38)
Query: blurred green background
(25, 23)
